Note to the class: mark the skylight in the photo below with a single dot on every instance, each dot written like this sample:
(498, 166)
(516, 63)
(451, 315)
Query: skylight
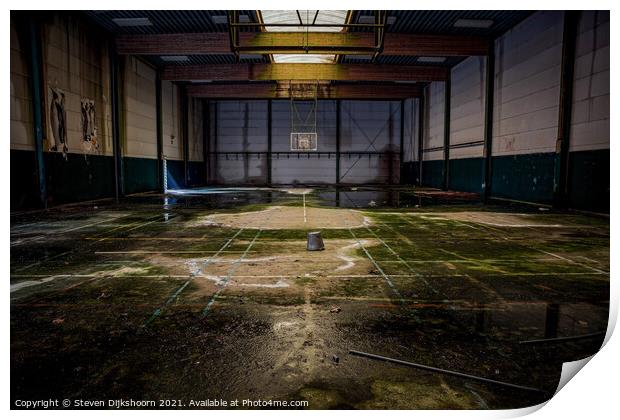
(322, 17)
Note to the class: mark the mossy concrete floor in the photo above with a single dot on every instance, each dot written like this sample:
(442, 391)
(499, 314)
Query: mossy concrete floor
(149, 298)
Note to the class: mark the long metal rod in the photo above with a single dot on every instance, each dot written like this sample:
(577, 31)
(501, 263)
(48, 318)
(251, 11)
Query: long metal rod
(160, 132)
(401, 151)
(421, 107)
(215, 140)
(351, 50)
(563, 339)
(269, 139)
(37, 101)
(315, 25)
(338, 124)
(487, 168)
(185, 135)
(115, 95)
(445, 371)
(446, 134)
(569, 42)
(206, 128)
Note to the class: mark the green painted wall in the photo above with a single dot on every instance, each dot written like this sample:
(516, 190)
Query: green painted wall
(24, 190)
(176, 177)
(432, 173)
(588, 180)
(408, 173)
(78, 178)
(140, 175)
(524, 177)
(196, 173)
(466, 175)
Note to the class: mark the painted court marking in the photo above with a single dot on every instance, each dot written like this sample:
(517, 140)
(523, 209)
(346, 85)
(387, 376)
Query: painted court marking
(385, 276)
(304, 198)
(53, 257)
(228, 277)
(172, 297)
(232, 271)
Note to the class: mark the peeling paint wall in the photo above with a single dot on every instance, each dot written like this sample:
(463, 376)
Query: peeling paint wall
(76, 62)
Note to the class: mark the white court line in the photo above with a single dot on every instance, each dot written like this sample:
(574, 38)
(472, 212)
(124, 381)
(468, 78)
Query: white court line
(304, 198)
(596, 270)
(172, 297)
(73, 250)
(53, 232)
(271, 276)
(165, 252)
(232, 271)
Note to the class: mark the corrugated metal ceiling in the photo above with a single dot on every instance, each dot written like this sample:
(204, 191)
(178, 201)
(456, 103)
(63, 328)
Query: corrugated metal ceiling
(166, 21)
(442, 21)
(404, 21)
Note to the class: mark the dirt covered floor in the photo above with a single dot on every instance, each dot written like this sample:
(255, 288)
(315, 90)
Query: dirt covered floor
(211, 294)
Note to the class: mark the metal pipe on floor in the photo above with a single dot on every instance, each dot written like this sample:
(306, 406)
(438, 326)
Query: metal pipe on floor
(564, 339)
(445, 371)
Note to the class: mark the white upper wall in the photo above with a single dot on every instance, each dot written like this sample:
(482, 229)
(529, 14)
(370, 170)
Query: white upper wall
(195, 123)
(527, 85)
(434, 120)
(467, 107)
(140, 109)
(410, 148)
(22, 128)
(590, 117)
(76, 63)
(173, 146)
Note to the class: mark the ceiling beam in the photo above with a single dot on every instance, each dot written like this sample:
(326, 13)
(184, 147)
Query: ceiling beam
(300, 42)
(282, 91)
(312, 72)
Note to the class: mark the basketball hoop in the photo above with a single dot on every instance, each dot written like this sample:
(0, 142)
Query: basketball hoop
(304, 106)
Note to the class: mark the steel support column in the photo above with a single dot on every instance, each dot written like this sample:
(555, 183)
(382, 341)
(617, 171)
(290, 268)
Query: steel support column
(401, 151)
(269, 139)
(446, 135)
(421, 121)
(215, 140)
(206, 138)
(185, 135)
(338, 117)
(160, 133)
(115, 97)
(36, 79)
(487, 161)
(560, 175)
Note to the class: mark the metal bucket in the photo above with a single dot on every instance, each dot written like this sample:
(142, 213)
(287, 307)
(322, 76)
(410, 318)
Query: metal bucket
(315, 242)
